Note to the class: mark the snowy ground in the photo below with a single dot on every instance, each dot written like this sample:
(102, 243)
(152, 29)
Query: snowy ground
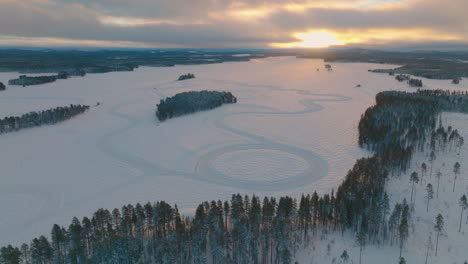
(452, 248)
(293, 131)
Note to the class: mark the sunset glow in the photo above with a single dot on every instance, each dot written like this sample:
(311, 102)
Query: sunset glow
(318, 39)
(236, 23)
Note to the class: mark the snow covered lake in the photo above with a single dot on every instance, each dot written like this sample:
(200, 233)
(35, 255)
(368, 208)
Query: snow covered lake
(293, 131)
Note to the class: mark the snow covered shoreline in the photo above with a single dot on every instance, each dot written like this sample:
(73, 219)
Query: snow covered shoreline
(117, 154)
(452, 243)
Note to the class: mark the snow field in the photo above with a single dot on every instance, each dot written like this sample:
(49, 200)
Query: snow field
(293, 131)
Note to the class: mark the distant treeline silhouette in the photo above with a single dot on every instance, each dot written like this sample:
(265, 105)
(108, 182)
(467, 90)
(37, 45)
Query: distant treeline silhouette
(191, 102)
(186, 76)
(46, 117)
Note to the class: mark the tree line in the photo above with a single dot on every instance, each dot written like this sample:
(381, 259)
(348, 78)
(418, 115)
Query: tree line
(409, 119)
(253, 230)
(46, 117)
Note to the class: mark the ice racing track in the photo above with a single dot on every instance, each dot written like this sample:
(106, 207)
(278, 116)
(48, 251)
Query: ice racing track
(204, 171)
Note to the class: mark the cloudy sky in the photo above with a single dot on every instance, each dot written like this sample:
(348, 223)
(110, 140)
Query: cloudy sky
(235, 23)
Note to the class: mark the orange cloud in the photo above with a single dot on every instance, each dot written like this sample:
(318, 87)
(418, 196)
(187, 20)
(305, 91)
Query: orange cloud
(314, 39)
(327, 38)
(233, 23)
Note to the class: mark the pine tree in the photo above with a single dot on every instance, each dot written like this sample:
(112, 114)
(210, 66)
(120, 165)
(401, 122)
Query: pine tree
(414, 180)
(361, 240)
(439, 175)
(58, 240)
(76, 240)
(394, 222)
(439, 227)
(423, 171)
(429, 247)
(386, 210)
(344, 256)
(402, 261)
(403, 227)
(10, 255)
(285, 256)
(432, 158)
(464, 205)
(429, 195)
(456, 171)
(25, 254)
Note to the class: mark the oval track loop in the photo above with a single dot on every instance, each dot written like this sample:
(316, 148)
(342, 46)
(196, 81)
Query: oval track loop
(203, 171)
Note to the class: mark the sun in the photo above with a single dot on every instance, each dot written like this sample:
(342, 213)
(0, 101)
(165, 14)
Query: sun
(315, 39)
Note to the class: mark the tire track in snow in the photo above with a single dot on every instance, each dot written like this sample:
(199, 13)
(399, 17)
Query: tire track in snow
(49, 202)
(203, 172)
(318, 168)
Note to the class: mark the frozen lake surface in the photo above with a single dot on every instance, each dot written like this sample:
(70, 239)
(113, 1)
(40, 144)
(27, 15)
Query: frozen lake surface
(293, 131)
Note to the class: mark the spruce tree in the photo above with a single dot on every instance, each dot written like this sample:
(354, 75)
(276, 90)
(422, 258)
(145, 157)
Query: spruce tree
(432, 158)
(464, 205)
(414, 179)
(361, 240)
(423, 171)
(403, 227)
(429, 195)
(439, 175)
(58, 243)
(344, 256)
(456, 171)
(438, 227)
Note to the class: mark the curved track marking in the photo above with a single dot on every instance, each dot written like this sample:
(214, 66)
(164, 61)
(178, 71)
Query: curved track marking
(203, 171)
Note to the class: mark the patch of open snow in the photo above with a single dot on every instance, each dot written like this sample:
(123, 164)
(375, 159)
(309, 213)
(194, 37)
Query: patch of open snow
(260, 164)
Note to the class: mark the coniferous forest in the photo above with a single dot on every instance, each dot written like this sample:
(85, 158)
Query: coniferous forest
(266, 230)
(46, 117)
(191, 102)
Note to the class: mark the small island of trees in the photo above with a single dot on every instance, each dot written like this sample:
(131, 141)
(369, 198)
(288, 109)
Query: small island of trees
(186, 77)
(25, 80)
(191, 102)
(46, 117)
(2, 87)
(412, 82)
(402, 77)
(415, 83)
